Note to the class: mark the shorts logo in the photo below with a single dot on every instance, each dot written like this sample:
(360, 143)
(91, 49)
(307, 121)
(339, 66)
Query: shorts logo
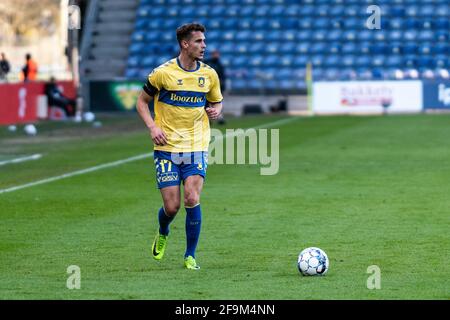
(199, 166)
(167, 177)
(201, 82)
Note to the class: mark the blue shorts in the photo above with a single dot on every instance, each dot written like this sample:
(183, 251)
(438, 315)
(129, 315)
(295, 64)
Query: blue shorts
(174, 167)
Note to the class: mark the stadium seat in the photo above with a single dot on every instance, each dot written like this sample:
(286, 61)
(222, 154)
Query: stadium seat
(254, 36)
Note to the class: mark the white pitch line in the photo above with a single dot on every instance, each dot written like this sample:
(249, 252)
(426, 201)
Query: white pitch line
(22, 159)
(76, 173)
(120, 162)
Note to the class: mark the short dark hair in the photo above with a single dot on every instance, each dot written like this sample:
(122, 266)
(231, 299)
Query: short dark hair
(184, 32)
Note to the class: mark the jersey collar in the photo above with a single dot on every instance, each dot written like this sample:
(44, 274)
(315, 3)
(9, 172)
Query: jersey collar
(179, 64)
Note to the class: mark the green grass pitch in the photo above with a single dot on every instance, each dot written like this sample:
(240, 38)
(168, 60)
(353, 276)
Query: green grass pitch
(367, 190)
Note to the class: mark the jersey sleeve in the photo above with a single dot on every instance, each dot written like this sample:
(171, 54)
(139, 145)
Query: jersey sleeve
(154, 82)
(214, 95)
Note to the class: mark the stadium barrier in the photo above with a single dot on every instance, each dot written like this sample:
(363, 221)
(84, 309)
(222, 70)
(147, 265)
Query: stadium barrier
(338, 97)
(114, 95)
(19, 101)
(436, 95)
(367, 97)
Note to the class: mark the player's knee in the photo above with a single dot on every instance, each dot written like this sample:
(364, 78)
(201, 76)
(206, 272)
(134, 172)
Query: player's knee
(171, 209)
(191, 199)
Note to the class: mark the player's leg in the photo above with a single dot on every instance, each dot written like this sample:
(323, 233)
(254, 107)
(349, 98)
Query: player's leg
(193, 175)
(168, 179)
(171, 200)
(171, 205)
(192, 189)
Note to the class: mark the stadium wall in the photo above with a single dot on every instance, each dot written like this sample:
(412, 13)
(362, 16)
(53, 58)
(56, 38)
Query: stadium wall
(367, 97)
(19, 101)
(340, 97)
(122, 96)
(436, 95)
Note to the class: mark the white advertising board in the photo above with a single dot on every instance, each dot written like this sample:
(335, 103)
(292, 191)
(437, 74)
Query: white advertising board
(367, 97)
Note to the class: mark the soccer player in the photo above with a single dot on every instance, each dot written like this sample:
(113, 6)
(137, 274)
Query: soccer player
(180, 133)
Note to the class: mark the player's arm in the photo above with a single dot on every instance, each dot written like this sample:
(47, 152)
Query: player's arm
(214, 110)
(158, 136)
(214, 97)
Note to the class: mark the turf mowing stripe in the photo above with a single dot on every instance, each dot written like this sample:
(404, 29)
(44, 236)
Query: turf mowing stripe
(22, 159)
(120, 162)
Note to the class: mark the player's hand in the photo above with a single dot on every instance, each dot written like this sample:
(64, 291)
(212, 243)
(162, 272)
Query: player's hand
(158, 136)
(213, 113)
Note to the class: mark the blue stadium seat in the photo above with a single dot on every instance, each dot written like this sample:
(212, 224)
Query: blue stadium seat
(336, 11)
(379, 48)
(319, 47)
(378, 61)
(363, 61)
(319, 35)
(426, 62)
(425, 49)
(306, 10)
(332, 74)
(426, 35)
(395, 35)
(334, 48)
(395, 48)
(332, 61)
(412, 11)
(364, 73)
(304, 36)
(442, 23)
(317, 60)
(287, 48)
(321, 23)
(244, 35)
(441, 48)
(133, 61)
(306, 23)
(410, 61)
(132, 73)
(394, 61)
(263, 10)
(377, 74)
(136, 47)
(299, 73)
(348, 48)
(442, 61)
(138, 36)
(397, 11)
(301, 61)
(442, 35)
(335, 35)
(149, 61)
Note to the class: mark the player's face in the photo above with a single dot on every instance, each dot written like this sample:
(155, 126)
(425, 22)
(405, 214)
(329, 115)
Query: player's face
(196, 45)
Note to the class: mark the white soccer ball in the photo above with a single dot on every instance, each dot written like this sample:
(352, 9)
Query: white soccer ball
(313, 261)
(30, 129)
(89, 117)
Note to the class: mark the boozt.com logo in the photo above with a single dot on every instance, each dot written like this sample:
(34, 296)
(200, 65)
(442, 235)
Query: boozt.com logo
(444, 94)
(175, 97)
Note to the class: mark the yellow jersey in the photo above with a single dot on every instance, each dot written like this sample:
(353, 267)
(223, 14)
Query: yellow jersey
(180, 97)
